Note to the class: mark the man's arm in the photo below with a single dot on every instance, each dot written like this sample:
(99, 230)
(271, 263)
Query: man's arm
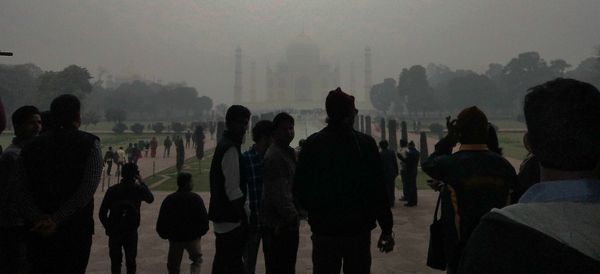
(145, 193)
(275, 190)
(231, 171)
(163, 223)
(434, 166)
(104, 208)
(85, 193)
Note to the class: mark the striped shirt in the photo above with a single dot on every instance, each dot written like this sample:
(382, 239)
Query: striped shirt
(252, 180)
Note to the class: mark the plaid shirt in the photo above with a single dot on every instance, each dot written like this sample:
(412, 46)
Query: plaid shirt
(252, 179)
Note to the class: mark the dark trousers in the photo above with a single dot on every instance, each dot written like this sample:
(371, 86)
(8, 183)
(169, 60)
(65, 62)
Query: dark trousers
(13, 250)
(65, 252)
(411, 186)
(229, 249)
(351, 251)
(281, 248)
(116, 245)
(108, 167)
(251, 251)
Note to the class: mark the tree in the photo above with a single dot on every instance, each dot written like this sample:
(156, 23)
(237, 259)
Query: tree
(383, 95)
(203, 105)
(137, 128)
(71, 80)
(119, 128)
(115, 115)
(158, 127)
(413, 84)
(559, 66)
(90, 117)
(177, 127)
(588, 71)
(473, 89)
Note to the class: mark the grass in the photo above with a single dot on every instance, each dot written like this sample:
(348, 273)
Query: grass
(200, 179)
(512, 145)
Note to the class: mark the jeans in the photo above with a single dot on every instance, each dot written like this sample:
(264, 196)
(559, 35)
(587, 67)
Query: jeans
(128, 243)
(351, 251)
(281, 248)
(229, 248)
(251, 252)
(13, 250)
(176, 253)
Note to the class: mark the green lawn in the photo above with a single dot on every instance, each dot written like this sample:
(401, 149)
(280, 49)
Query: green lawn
(200, 179)
(512, 145)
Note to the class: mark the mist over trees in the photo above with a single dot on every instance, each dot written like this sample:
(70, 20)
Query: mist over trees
(28, 84)
(439, 89)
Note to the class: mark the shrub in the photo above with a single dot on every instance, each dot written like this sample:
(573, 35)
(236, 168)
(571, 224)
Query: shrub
(177, 127)
(119, 128)
(137, 128)
(158, 127)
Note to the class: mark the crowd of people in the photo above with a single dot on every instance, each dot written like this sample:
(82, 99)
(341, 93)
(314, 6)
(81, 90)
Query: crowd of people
(543, 219)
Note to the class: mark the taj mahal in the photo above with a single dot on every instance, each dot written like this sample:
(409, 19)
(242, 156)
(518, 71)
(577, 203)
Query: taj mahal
(301, 79)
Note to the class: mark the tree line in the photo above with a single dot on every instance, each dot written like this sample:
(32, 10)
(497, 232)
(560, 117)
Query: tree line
(437, 88)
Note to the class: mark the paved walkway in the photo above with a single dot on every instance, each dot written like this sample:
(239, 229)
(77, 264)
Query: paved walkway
(411, 226)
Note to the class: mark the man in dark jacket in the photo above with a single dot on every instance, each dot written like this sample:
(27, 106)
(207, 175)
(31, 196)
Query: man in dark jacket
(120, 217)
(476, 180)
(183, 221)
(226, 209)
(339, 183)
(390, 170)
(279, 211)
(411, 164)
(554, 227)
(62, 189)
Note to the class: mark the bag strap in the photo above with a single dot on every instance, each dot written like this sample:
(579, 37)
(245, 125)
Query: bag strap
(437, 206)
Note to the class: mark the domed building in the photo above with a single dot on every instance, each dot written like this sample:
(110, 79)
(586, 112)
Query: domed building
(303, 78)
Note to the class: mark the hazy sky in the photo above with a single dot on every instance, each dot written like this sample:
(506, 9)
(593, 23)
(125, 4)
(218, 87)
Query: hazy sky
(194, 40)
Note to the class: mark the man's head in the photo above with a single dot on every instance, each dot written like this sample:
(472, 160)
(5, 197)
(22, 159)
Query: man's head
(262, 131)
(563, 124)
(383, 144)
(27, 122)
(120, 147)
(109, 148)
(283, 128)
(66, 110)
(237, 118)
(411, 145)
(184, 181)
(129, 171)
(472, 126)
(340, 107)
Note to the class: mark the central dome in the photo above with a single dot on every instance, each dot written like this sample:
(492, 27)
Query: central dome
(302, 49)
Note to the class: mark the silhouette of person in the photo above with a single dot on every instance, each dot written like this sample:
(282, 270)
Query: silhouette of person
(62, 189)
(183, 221)
(188, 137)
(120, 217)
(167, 143)
(226, 209)
(390, 170)
(199, 145)
(108, 160)
(153, 146)
(180, 154)
(411, 163)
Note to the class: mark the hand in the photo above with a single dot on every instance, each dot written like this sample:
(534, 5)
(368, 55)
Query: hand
(451, 126)
(386, 243)
(45, 226)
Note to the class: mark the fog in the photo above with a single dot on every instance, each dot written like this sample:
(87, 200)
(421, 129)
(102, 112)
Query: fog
(194, 41)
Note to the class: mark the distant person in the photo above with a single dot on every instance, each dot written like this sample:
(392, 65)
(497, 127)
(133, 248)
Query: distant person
(183, 221)
(121, 159)
(554, 227)
(63, 190)
(120, 217)
(130, 153)
(279, 210)
(136, 153)
(339, 183)
(188, 137)
(476, 179)
(146, 148)
(180, 154)
(390, 170)
(199, 145)
(402, 154)
(108, 160)
(252, 181)
(167, 143)
(27, 124)
(226, 209)
(153, 147)
(411, 162)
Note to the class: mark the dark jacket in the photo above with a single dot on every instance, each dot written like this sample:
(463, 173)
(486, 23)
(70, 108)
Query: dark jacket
(182, 217)
(221, 209)
(390, 164)
(54, 163)
(339, 182)
(476, 181)
(129, 191)
(279, 207)
(411, 161)
(536, 238)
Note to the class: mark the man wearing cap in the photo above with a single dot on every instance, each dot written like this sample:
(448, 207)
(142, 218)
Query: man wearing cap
(476, 179)
(339, 182)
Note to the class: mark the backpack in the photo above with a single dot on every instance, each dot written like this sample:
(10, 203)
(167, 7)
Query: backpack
(124, 217)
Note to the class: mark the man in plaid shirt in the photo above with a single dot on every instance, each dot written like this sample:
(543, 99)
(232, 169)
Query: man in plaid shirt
(252, 181)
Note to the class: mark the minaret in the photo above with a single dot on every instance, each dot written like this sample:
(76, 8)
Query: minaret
(352, 79)
(368, 73)
(253, 82)
(237, 87)
(270, 83)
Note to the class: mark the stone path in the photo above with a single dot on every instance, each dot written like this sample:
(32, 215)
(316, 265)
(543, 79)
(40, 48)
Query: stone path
(411, 226)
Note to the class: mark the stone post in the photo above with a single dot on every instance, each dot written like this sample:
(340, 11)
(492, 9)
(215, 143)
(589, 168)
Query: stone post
(382, 128)
(404, 131)
(424, 147)
(393, 140)
(368, 125)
